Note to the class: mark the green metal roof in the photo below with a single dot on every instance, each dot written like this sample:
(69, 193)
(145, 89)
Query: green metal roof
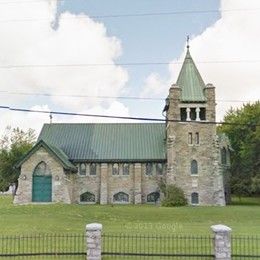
(57, 152)
(190, 81)
(107, 142)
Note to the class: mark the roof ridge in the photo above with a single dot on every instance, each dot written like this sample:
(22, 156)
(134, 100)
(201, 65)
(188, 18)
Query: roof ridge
(116, 123)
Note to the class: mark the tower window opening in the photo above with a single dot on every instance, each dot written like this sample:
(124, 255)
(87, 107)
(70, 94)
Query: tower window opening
(183, 114)
(190, 138)
(193, 113)
(202, 113)
(197, 138)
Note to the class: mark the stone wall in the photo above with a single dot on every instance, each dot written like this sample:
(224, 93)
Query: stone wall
(183, 147)
(68, 187)
(105, 185)
(60, 180)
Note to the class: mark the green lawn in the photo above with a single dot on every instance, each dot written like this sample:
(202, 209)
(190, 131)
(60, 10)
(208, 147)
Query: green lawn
(131, 219)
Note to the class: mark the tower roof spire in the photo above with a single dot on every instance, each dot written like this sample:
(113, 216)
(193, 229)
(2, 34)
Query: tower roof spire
(188, 42)
(190, 80)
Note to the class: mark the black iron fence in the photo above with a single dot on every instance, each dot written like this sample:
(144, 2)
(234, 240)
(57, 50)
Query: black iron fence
(124, 246)
(157, 246)
(72, 246)
(245, 247)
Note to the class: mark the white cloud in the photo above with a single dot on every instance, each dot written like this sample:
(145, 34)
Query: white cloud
(35, 120)
(24, 120)
(75, 41)
(234, 37)
(114, 109)
(154, 86)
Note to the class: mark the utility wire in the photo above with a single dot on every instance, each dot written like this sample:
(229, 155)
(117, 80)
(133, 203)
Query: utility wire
(22, 66)
(133, 15)
(120, 117)
(106, 97)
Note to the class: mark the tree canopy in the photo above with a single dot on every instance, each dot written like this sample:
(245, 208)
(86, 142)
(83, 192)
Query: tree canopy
(244, 135)
(13, 145)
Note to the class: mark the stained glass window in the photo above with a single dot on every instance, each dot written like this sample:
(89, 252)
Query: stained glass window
(149, 169)
(194, 198)
(159, 168)
(82, 169)
(93, 169)
(125, 169)
(41, 170)
(194, 167)
(115, 169)
(87, 197)
(121, 197)
(153, 197)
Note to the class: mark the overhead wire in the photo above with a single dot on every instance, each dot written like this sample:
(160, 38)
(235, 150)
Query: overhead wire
(103, 97)
(126, 15)
(71, 65)
(119, 117)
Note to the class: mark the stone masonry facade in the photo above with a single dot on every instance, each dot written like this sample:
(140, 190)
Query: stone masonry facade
(68, 187)
(189, 142)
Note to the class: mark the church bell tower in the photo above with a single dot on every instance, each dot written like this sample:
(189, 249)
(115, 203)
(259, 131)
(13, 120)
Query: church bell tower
(193, 159)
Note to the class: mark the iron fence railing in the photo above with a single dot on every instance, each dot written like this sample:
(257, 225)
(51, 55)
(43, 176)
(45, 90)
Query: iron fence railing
(174, 246)
(245, 247)
(125, 246)
(43, 245)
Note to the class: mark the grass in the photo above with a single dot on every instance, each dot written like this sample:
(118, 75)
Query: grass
(131, 219)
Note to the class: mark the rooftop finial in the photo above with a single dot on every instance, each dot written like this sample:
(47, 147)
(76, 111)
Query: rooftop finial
(50, 118)
(188, 41)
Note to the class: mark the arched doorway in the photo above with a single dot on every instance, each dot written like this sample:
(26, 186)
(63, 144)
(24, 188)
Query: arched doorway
(42, 184)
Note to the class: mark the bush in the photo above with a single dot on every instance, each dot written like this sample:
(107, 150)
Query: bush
(174, 197)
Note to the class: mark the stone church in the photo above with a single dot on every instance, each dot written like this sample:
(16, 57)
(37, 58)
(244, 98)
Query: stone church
(126, 162)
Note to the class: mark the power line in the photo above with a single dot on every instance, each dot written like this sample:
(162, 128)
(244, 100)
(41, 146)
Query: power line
(130, 15)
(105, 97)
(119, 117)
(24, 66)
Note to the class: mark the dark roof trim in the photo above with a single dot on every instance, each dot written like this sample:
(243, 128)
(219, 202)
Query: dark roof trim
(56, 152)
(121, 161)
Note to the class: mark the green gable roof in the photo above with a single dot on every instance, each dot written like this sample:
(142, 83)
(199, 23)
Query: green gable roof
(55, 151)
(108, 142)
(190, 81)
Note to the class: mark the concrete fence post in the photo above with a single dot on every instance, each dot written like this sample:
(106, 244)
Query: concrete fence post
(222, 242)
(93, 235)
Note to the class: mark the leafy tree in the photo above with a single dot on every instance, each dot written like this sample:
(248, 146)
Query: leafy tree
(244, 135)
(255, 184)
(13, 145)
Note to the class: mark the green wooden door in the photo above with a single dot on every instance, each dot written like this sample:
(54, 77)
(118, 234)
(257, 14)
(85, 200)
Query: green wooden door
(42, 189)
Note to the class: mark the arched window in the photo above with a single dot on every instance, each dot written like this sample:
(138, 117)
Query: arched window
(125, 169)
(223, 155)
(82, 169)
(153, 197)
(159, 168)
(149, 169)
(115, 169)
(121, 197)
(194, 167)
(93, 169)
(194, 198)
(87, 197)
(41, 170)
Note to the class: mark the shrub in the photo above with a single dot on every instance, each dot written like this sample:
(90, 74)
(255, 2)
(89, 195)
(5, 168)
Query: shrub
(174, 197)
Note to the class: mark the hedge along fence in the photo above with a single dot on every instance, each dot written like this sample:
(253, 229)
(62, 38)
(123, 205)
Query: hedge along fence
(95, 245)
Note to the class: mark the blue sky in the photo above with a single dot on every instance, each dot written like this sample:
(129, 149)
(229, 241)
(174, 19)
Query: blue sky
(148, 38)
(225, 45)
